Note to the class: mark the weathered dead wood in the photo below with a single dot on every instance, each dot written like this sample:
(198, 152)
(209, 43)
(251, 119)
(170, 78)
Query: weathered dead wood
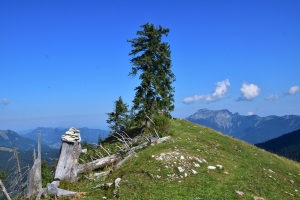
(35, 173)
(98, 175)
(55, 191)
(160, 140)
(99, 163)
(19, 168)
(133, 149)
(139, 147)
(66, 168)
(124, 159)
(3, 189)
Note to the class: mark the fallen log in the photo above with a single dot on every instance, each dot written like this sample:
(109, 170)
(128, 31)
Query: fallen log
(98, 175)
(99, 163)
(131, 152)
(124, 159)
(160, 140)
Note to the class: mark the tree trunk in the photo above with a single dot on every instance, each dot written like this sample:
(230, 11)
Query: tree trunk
(35, 174)
(4, 191)
(124, 160)
(160, 140)
(96, 164)
(19, 168)
(66, 168)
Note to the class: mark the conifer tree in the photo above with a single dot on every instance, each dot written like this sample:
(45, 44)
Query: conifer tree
(3, 175)
(119, 117)
(152, 59)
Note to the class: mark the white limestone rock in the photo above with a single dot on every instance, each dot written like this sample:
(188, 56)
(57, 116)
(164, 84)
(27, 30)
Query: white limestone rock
(219, 166)
(180, 169)
(117, 181)
(72, 135)
(211, 167)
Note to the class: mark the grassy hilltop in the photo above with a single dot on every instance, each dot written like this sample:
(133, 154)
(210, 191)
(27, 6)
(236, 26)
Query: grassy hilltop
(154, 172)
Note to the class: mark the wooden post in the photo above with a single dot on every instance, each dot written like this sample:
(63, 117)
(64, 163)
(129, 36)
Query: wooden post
(4, 191)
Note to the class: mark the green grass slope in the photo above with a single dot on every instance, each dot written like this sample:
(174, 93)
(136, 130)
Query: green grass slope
(154, 172)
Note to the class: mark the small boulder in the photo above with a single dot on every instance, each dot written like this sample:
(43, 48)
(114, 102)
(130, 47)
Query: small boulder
(240, 193)
(211, 167)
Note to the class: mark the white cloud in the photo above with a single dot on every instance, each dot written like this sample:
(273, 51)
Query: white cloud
(5, 101)
(249, 92)
(293, 90)
(272, 97)
(220, 92)
(250, 113)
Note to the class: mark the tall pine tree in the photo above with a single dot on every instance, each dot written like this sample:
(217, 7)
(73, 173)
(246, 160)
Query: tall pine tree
(152, 59)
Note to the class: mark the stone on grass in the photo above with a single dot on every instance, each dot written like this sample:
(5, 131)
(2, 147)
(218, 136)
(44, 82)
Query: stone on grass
(117, 181)
(219, 166)
(239, 192)
(196, 165)
(180, 169)
(211, 167)
(258, 198)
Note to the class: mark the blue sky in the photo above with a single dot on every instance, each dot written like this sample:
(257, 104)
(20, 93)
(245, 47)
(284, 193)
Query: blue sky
(63, 63)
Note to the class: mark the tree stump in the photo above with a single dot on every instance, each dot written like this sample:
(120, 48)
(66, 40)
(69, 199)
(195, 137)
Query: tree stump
(35, 173)
(67, 165)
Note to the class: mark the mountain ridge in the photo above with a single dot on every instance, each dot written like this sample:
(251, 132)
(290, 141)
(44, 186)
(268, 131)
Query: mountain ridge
(52, 136)
(252, 128)
(9, 138)
(286, 145)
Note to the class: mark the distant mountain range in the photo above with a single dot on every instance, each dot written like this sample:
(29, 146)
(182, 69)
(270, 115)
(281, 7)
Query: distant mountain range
(25, 157)
(252, 129)
(50, 139)
(10, 138)
(287, 145)
(52, 136)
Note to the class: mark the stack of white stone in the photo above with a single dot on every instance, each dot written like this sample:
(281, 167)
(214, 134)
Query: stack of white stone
(72, 135)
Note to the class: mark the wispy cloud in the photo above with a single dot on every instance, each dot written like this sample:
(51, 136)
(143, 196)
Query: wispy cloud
(250, 113)
(293, 90)
(219, 93)
(249, 92)
(272, 97)
(5, 101)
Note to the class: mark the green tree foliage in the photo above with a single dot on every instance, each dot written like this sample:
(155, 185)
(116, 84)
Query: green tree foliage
(3, 175)
(152, 58)
(118, 119)
(47, 173)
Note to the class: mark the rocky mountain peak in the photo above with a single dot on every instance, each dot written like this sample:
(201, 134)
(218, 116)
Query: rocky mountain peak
(205, 114)
(252, 128)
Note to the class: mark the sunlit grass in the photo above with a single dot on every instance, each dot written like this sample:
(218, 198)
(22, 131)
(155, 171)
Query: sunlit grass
(245, 168)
